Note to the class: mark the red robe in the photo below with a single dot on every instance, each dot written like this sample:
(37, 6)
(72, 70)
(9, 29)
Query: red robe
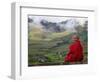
(75, 52)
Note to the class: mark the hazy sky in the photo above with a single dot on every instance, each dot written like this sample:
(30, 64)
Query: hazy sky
(37, 19)
(71, 23)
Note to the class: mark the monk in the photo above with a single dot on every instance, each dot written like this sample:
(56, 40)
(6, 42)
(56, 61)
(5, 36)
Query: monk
(75, 53)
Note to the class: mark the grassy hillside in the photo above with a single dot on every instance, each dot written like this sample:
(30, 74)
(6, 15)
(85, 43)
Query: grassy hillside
(50, 48)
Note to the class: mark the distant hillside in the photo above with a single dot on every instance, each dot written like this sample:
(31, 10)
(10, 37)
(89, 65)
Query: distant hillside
(40, 34)
(67, 25)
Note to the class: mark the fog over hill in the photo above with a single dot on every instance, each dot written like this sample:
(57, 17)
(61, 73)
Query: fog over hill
(55, 24)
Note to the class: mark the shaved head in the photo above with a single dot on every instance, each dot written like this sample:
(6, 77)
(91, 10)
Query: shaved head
(75, 37)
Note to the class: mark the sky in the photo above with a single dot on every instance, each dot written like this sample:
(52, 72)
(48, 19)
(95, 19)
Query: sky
(71, 20)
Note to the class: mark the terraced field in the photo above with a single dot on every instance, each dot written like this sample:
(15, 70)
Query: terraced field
(50, 48)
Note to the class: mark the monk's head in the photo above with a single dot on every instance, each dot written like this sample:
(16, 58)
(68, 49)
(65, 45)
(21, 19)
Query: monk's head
(75, 38)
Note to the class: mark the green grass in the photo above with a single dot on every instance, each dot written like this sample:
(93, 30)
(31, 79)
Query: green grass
(51, 52)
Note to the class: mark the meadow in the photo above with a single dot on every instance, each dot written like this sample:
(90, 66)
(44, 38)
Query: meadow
(51, 48)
